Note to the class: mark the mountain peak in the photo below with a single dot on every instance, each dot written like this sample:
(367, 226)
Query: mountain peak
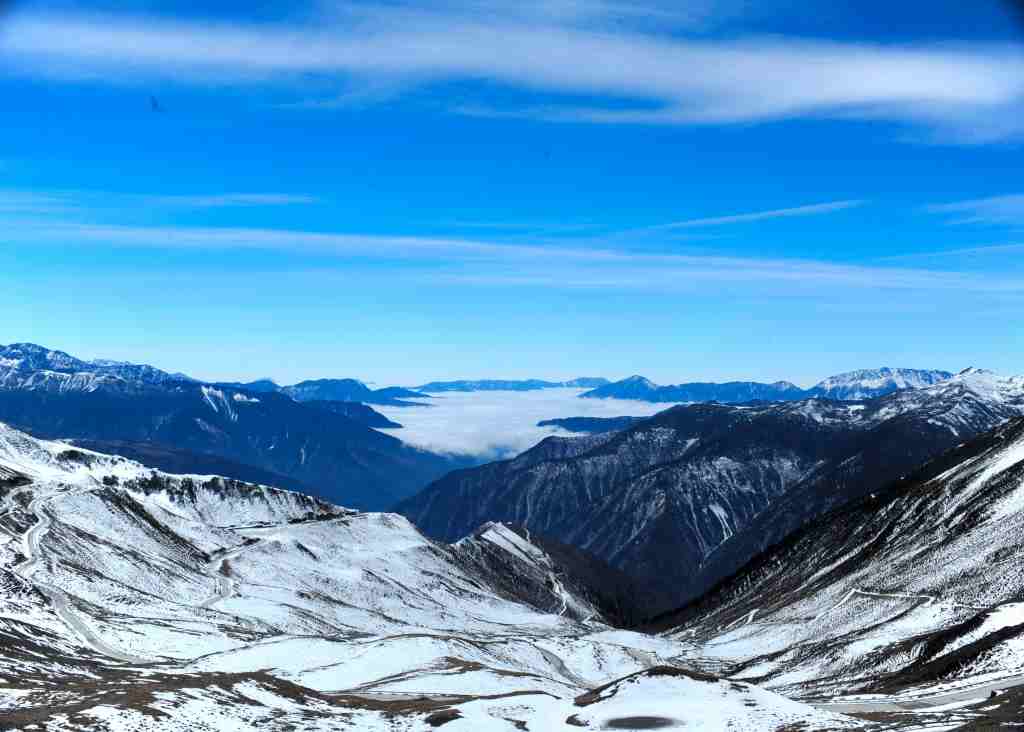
(975, 371)
(31, 356)
(640, 380)
(870, 383)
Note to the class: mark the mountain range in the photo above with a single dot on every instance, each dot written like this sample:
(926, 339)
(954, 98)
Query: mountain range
(735, 566)
(134, 599)
(583, 382)
(335, 390)
(853, 385)
(681, 499)
(324, 448)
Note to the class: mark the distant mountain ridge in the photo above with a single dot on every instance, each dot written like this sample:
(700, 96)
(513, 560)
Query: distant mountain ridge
(639, 388)
(30, 366)
(350, 390)
(334, 390)
(326, 447)
(362, 413)
(583, 382)
(852, 385)
(27, 365)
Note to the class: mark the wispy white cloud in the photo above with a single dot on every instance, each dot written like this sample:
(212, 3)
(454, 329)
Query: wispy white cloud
(34, 202)
(632, 75)
(996, 210)
(221, 200)
(779, 213)
(519, 226)
(293, 241)
(981, 250)
(761, 276)
(662, 15)
(477, 262)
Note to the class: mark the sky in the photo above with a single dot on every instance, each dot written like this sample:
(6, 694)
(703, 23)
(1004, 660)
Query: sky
(403, 192)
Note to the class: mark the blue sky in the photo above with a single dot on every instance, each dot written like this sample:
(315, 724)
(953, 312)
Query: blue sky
(403, 192)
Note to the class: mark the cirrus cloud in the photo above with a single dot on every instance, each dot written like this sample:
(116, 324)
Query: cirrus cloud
(1008, 209)
(974, 92)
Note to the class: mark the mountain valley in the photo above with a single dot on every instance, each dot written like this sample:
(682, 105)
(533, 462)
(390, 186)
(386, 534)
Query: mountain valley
(686, 497)
(821, 563)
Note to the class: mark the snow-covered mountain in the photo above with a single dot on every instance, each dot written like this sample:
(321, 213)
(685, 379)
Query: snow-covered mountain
(321, 447)
(684, 498)
(870, 383)
(851, 386)
(917, 585)
(134, 599)
(28, 366)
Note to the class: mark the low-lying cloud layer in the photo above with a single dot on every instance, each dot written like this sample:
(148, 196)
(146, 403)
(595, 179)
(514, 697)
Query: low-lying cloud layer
(492, 425)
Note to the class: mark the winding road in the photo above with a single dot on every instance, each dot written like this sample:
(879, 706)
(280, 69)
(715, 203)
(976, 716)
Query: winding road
(922, 702)
(60, 600)
(224, 586)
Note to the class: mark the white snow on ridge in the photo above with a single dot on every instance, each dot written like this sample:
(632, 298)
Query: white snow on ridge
(259, 609)
(930, 563)
(868, 383)
(201, 575)
(510, 541)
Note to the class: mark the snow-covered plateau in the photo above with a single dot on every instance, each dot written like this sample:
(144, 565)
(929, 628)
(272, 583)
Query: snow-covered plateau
(137, 600)
(132, 599)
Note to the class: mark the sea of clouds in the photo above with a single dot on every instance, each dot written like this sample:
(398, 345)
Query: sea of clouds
(491, 425)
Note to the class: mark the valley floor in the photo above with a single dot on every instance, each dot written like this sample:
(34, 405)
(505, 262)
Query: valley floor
(131, 600)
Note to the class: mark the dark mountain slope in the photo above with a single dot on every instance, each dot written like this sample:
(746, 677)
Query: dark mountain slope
(174, 460)
(917, 582)
(652, 500)
(362, 413)
(507, 558)
(591, 425)
(329, 454)
(876, 457)
(689, 495)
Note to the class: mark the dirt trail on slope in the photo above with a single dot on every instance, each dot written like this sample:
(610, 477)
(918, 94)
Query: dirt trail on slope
(31, 542)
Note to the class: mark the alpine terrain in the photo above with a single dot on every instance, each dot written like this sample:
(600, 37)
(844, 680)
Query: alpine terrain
(134, 599)
(686, 497)
(914, 590)
(181, 424)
